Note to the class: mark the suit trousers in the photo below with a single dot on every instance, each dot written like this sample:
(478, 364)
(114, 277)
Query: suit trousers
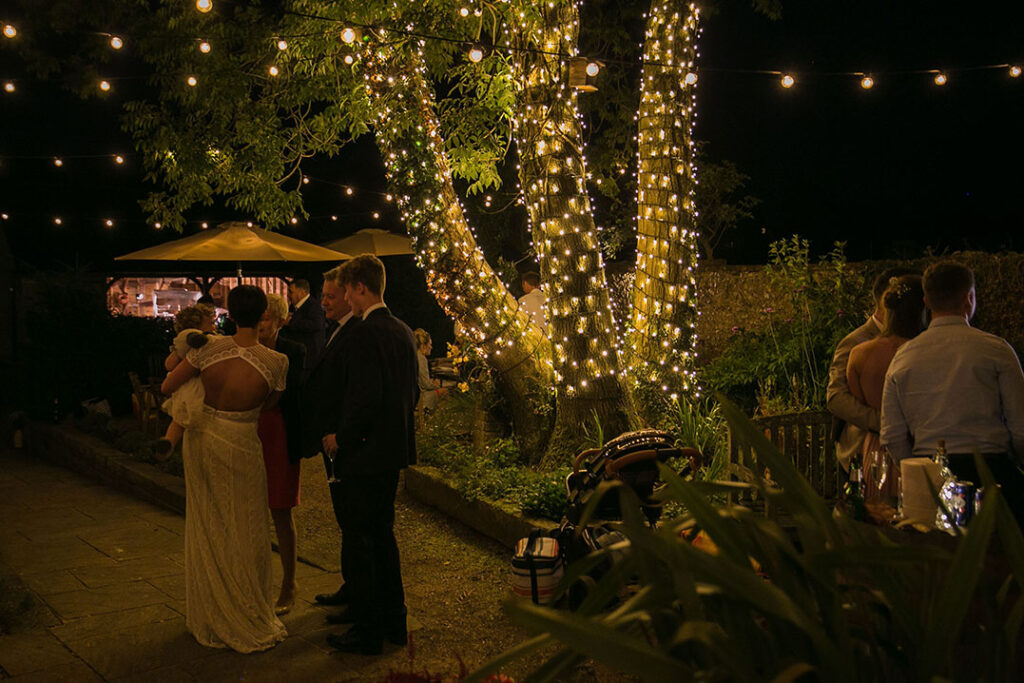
(1005, 472)
(339, 516)
(371, 562)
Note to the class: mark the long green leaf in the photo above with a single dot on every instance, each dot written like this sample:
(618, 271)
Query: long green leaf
(554, 666)
(508, 656)
(727, 536)
(623, 651)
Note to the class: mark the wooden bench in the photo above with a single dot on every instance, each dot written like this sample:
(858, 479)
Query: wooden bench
(807, 439)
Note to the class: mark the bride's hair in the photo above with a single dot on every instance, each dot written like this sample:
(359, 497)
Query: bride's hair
(246, 304)
(904, 307)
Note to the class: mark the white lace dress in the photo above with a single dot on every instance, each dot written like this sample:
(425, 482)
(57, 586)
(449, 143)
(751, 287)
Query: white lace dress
(228, 584)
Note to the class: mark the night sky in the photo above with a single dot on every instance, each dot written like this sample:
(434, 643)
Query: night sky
(903, 167)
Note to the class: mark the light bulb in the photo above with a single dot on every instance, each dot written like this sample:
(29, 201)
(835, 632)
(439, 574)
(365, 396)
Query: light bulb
(273, 70)
(867, 83)
(109, 223)
(691, 79)
(282, 45)
(349, 191)
(1014, 71)
(940, 79)
(58, 162)
(476, 53)
(192, 81)
(118, 159)
(305, 180)
(464, 11)
(788, 81)
(334, 218)
(295, 220)
(9, 86)
(104, 86)
(349, 59)
(593, 68)
(205, 225)
(158, 225)
(204, 47)
(204, 6)
(116, 42)
(10, 31)
(376, 215)
(348, 35)
(57, 220)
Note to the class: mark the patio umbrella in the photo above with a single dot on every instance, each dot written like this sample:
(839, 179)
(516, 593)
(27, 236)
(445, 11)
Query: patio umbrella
(373, 241)
(237, 242)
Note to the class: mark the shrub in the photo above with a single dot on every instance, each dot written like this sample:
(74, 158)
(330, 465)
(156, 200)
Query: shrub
(829, 599)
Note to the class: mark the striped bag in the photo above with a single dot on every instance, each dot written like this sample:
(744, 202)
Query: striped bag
(537, 567)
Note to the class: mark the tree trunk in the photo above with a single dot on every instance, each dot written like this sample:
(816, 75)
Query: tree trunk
(552, 173)
(456, 271)
(662, 330)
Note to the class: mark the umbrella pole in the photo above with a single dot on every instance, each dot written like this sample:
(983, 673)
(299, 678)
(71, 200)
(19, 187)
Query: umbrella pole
(239, 272)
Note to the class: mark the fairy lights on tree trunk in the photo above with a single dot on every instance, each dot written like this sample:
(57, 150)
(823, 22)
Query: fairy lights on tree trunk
(662, 330)
(549, 139)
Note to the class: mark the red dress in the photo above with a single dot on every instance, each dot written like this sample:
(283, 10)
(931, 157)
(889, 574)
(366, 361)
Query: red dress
(282, 476)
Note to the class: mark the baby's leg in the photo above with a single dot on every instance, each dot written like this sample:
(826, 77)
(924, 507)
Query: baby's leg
(163, 448)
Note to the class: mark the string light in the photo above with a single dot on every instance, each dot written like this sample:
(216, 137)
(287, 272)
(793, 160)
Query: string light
(348, 59)
(305, 180)
(204, 6)
(116, 42)
(788, 81)
(204, 47)
(593, 68)
(204, 225)
(690, 79)
(349, 35)
(109, 223)
(867, 83)
(940, 79)
(192, 81)
(1015, 71)
(57, 220)
(464, 11)
(105, 86)
(476, 53)
(58, 162)
(158, 225)
(349, 191)
(10, 31)
(9, 86)
(282, 45)
(118, 159)
(4, 216)
(294, 220)
(273, 70)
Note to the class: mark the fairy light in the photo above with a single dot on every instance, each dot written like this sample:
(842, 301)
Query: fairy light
(282, 45)
(348, 59)
(867, 82)
(464, 11)
(204, 6)
(58, 162)
(109, 223)
(118, 159)
(205, 47)
(690, 79)
(9, 87)
(158, 225)
(662, 328)
(349, 191)
(305, 180)
(1015, 71)
(10, 31)
(294, 221)
(273, 70)
(476, 53)
(58, 221)
(940, 79)
(116, 42)
(593, 68)
(192, 81)
(105, 86)
(348, 35)
(204, 225)
(788, 81)
(376, 215)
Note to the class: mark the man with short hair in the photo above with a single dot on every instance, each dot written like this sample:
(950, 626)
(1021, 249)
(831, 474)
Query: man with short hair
(322, 404)
(374, 441)
(958, 384)
(851, 418)
(306, 324)
(533, 301)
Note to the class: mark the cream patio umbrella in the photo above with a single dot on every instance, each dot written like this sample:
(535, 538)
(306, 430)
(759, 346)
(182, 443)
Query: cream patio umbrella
(239, 243)
(373, 241)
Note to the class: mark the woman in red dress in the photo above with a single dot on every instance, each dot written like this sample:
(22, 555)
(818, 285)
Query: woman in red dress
(278, 430)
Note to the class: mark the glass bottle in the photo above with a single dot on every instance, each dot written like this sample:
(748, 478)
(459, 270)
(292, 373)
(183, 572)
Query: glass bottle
(853, 492)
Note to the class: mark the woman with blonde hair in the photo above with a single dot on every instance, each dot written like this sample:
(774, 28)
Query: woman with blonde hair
(279, 431)
(430, 388)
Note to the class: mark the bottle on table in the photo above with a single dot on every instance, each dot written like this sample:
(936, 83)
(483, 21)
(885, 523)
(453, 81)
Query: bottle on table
(853, 492)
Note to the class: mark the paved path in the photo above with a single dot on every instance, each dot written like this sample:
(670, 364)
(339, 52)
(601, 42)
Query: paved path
(106, 572)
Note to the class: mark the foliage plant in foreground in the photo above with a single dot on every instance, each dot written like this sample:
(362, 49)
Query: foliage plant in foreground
(828, 599)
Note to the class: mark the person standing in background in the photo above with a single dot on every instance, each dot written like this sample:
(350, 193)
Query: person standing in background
(307, 324)
(533, 301)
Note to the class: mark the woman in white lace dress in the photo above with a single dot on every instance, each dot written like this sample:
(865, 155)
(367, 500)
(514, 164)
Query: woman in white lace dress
(229, 594)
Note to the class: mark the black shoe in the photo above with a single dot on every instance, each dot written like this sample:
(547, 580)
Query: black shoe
(335, 599)
(345, 616)
(354, 642)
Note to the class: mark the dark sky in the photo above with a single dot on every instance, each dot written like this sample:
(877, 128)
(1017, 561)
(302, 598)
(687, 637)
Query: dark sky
(905, 166)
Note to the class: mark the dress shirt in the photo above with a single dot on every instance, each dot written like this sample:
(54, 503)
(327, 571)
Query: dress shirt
(373, 308)
(533, 304)
(302, 301)
(957, 383)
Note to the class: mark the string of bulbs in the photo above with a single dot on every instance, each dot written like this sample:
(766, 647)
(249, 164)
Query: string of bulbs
(352, 32)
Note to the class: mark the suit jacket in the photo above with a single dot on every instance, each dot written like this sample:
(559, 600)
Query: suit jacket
(307, 327)
(375, 428)
(291, 400)
(852, 420)
(321, 397)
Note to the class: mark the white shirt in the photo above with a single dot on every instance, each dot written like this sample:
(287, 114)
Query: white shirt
(373, 308)
(957, 383)
(533, 304)
(301, 302)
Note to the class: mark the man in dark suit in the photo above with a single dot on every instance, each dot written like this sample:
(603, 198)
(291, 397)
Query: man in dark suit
(306, 324)
(321, 399)
(374, 442)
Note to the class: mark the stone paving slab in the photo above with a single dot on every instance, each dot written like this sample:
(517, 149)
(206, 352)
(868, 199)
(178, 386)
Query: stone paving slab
(27, 653)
